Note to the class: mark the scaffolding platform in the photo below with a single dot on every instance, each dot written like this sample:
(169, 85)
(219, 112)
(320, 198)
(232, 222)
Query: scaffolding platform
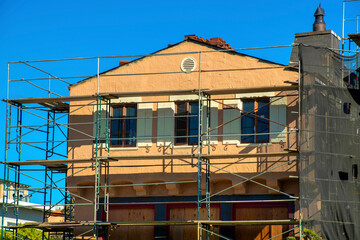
(50, 101)
(355, 38)
(52, 227)
(61, 163)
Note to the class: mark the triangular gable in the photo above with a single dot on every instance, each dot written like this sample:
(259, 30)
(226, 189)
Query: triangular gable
(171, 48)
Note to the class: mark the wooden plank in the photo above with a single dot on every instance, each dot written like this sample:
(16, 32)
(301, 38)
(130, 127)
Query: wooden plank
(106, 95)
(212, 222)
(251, 155)
(51, 99)
(157, 223)
(251, 222)
(55, 163)
(251, 90)
(151, 93)
(150, 157)
(57, 106)
(207, 156)
(355, 38)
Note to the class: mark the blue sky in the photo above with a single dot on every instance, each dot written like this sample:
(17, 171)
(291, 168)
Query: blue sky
(39, 29)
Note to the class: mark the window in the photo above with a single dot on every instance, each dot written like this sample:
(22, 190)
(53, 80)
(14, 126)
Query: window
(255, 126)
(123, 125)
(186, 123)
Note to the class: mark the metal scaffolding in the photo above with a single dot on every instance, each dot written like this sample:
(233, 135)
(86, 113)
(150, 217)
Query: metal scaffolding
(54, 111)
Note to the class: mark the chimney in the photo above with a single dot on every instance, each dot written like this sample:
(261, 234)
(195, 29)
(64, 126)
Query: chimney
(319, 37)
(319, 24)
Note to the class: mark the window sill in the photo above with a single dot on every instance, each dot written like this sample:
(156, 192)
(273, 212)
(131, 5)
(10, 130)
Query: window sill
(184, 146)
(212, 142)
(123, 148)
(253, 144)
(230, 142)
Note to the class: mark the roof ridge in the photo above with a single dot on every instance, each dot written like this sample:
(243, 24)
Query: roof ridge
(216, 41)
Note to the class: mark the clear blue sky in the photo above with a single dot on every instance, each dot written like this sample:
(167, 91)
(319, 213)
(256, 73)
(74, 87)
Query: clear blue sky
(40, 29)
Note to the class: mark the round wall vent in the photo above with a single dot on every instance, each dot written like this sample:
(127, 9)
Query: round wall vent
(188, 64)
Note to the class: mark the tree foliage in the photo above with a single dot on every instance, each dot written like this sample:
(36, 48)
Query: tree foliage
(308, 234)
(28, 234)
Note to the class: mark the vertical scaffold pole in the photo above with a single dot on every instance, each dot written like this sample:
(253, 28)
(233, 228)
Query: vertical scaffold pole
(7, 137)
(343, 27)
(97, 168)
(206, 124)
(107, 126)
(7, 147)
(97, 162)
(299, 145)
(106, 164)
(48, 181)
(98, 77)
(207, 195)
(17, 168)
(199, 177)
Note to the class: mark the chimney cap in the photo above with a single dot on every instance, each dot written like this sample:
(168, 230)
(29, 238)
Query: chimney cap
(319, 11)
(319, 24)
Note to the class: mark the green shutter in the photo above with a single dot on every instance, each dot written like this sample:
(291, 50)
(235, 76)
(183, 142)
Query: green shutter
(103, 124)
(166, 123)
(144, 124)
(214, 122)
(232, 130)
(278, 114)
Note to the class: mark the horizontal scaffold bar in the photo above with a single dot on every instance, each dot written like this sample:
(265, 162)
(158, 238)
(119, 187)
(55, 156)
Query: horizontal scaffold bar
(152, 157)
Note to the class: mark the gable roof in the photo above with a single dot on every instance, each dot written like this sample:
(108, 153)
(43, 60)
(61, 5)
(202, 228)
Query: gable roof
(200, 41)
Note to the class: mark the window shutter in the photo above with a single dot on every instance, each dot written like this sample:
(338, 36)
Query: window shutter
(144, 124)
(231, 131)
(213, 122)
(166, 123)
(104, 123)
(278, 114)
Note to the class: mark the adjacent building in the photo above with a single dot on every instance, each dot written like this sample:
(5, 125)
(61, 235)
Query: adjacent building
(27, 211)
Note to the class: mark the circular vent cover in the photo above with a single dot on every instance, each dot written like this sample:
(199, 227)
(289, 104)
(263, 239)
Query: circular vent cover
(188, 64)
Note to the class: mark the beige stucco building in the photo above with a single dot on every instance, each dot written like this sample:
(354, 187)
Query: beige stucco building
(146, 126)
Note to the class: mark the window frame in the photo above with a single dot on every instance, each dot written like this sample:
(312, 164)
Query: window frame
(255, 116)
(123, 130)
(188, 117)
